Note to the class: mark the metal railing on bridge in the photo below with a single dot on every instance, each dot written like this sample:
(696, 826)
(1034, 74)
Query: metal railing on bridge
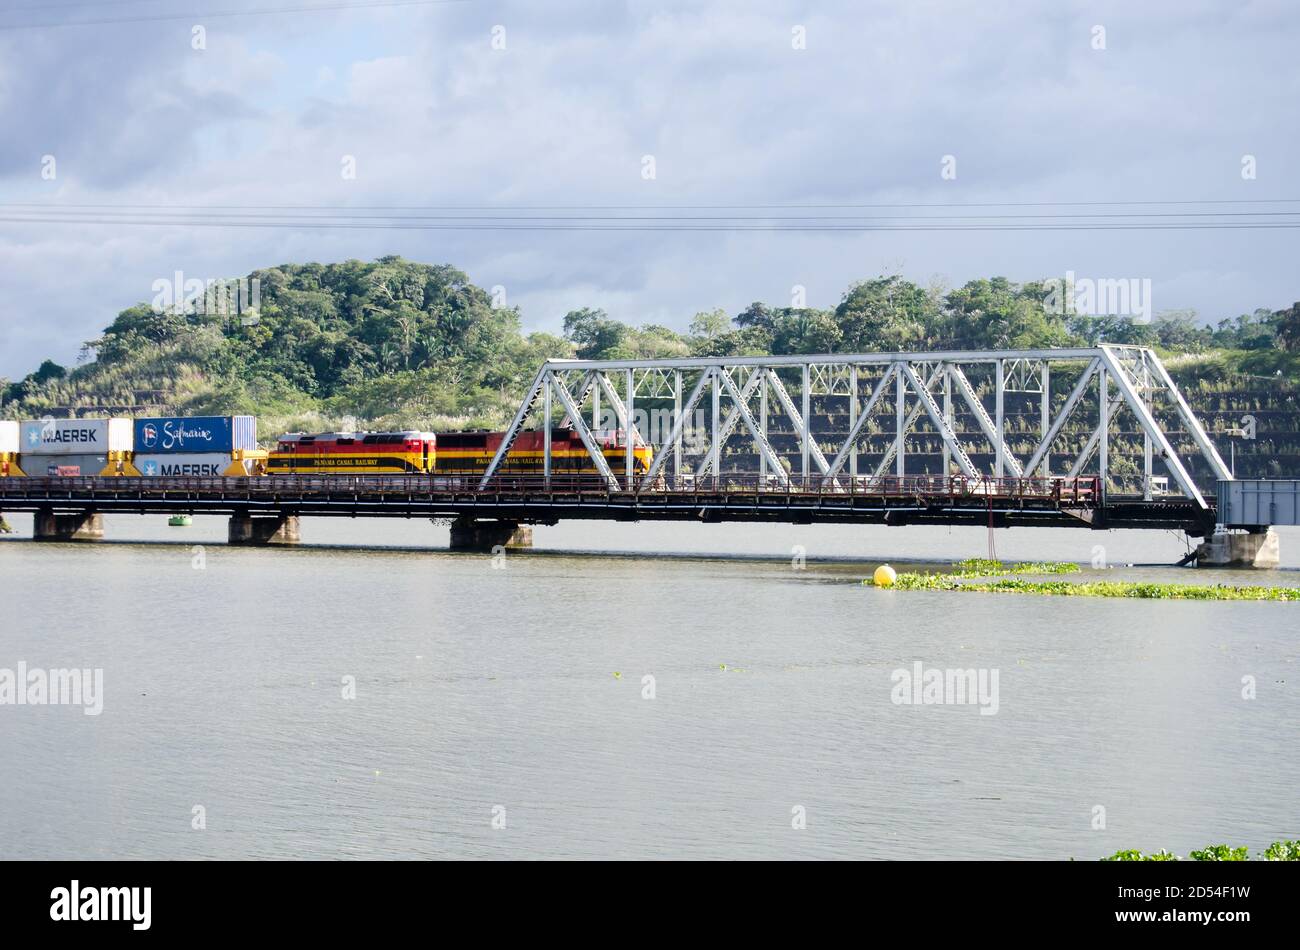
(1083, 490)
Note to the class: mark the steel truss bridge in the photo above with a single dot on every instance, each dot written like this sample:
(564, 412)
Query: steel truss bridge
(1097, 437)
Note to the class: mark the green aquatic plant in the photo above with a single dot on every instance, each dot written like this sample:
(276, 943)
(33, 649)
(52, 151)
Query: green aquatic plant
(1125, 589)
(982, 565)
(985, 567)
(1277, 851)
(1283, 851)
(1220, 852)
(1135, 855)
(1044, 567)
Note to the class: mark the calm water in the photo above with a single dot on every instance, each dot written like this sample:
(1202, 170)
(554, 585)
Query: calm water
(479, 687)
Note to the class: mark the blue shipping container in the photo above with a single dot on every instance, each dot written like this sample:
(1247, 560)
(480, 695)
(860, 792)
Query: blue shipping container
(195, 434)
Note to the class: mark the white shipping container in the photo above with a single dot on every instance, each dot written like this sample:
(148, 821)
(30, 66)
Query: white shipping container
(8, 436)
(205, 465)
(76, 436)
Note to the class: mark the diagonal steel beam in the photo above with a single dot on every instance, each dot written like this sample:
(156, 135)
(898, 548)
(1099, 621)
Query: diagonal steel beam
(584, 432)
(1093, 441)
(908, 422)
(1075, 396)
(783, 397)
(936, 416)
(764, 447)
(620, 410)
(858, 426)
(1193, 424)
(687, 408)
(1150, 426)
(541, 382)
(985, 423)
(733, 418)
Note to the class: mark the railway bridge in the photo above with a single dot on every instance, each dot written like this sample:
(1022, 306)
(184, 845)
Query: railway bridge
(1095, 438)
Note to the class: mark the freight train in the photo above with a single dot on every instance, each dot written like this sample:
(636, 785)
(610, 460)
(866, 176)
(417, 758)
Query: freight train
(200, 445)
(213, 446)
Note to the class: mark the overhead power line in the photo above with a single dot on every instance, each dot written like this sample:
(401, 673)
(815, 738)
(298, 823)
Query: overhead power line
(215, 14)
(791, 206)
(308, 224)
(237, 214)
(1187, 215)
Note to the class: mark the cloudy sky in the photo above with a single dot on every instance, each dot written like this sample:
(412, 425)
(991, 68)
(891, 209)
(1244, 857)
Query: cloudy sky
(740, 102)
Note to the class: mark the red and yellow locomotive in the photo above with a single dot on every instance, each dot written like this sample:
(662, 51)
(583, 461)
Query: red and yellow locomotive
(470, 453)
(457, 454)
(348, 453)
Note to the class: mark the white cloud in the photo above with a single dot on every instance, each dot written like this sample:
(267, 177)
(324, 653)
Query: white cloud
(562, 116)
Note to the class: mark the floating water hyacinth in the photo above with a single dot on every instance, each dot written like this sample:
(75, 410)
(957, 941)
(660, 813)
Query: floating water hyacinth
(1128, 589)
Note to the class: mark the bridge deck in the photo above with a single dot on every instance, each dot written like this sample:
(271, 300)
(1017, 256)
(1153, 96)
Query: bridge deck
(898, 500)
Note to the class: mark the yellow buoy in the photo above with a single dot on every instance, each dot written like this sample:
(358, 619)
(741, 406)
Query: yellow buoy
(884, 576)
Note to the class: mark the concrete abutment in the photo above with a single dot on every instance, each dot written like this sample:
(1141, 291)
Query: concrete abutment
(1240, 549)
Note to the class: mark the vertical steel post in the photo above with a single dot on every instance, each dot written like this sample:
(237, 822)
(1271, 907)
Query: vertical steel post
(999, 385)
(677, 414)
(1046, 411)
(807, 421)
(762, 424)
(899, 390)
(546, 429)
(1148, 397)
(628, 436)
(715, 450)
(947, 417)
(853, 416)
(1103, 394)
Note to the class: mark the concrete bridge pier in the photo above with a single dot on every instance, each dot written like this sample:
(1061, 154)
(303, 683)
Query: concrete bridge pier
(1240, 549)
(471, 534)
(74, 526)
(264, 529)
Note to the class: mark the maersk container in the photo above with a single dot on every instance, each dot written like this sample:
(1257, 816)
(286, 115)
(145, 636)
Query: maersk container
(195, 434)
(8, 437)
(75, 436)
(38, 466)
(189, 465)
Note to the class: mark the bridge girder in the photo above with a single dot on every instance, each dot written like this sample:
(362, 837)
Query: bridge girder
(1108, 381)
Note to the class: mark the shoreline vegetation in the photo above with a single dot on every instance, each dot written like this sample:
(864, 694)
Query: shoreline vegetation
(1277, 851)
(990, 576)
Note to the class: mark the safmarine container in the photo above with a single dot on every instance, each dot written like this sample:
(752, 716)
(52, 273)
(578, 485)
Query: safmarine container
(75, 436)
(195, 434)
(8, 437)
(189, 465)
